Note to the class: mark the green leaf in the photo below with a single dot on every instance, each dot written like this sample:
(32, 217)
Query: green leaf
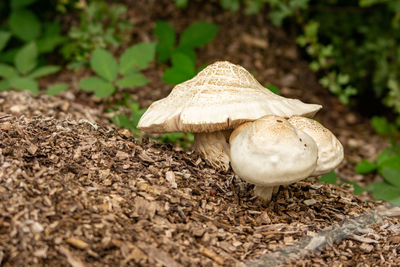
(232, 5)
(8, 56)
(188, 51)
(183, 63)
(166, 36)
(182, 69)
(386, 192)
(198, 34)
(391, 175)
(391, 161)
(314, 66)
(104, 64)
(23, 83)
(165, 33)
(367, 3)
(181, 3)
(131, 80)
(4, 85)
(343, 78)
(302, 41)
(25, 25)
(383, 156)
(330, 178)
(4, 38)
(365, 166)
(15, 4)
(25, 59)
(48, 43)
(273, 88)
(44, 71)
(6, 71)
(123, 121)
(137, 57)
(56, 88)
(100, 87)
(172, 137)
(174, 76)
(382, 126)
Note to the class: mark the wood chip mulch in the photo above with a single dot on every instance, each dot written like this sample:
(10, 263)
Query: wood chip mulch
(79, 193)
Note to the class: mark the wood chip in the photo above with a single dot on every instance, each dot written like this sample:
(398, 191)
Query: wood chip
(122, 155)
(170, 177)
(310, 202)
(159, 255)
(212, 255)
(72, 260)
(76, 242)
(125, 132)
(254, 41)
(363, 239)
(366, 247)
(136, 254)
(143, 156)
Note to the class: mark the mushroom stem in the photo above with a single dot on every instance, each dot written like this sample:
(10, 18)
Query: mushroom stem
(214, 148)
(265, 192)
(275, 190)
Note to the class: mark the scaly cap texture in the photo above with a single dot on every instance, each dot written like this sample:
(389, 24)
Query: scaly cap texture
(220, 97)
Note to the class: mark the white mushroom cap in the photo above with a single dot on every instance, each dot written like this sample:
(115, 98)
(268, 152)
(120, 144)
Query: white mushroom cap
(220, 97)
(330, 150)
(270, 152)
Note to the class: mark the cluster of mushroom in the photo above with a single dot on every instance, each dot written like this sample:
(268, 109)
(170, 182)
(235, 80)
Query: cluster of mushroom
(266, 138)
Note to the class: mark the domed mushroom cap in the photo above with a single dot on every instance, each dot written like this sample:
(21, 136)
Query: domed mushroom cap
(270, 152)
(220, 97)
(330, 150)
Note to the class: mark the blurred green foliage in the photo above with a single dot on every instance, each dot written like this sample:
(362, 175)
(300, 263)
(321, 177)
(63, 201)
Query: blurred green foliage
(23, 25)
(102, 25)
(387, 165)
(181, 55)
(355, 47)
(23, 75)
(24, 38)
(352, 44)
(385, 128)
(123, 74)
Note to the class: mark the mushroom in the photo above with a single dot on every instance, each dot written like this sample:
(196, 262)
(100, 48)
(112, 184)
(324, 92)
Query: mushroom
(270, 152)
(215, 101)
(330, 150)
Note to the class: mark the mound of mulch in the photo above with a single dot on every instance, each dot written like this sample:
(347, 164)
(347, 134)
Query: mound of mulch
(77, 192)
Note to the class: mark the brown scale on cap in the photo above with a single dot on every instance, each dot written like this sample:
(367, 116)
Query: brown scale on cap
(330, 150)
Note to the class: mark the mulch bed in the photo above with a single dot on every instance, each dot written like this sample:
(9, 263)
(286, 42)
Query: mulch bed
(81, 193)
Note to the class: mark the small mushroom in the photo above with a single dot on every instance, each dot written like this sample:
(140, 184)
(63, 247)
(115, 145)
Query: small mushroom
(217, 100)
(270, 152)
(330, 150)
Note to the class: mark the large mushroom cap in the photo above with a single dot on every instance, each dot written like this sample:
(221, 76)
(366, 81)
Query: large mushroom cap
(330, 150)
(220, 97)
(270, 152)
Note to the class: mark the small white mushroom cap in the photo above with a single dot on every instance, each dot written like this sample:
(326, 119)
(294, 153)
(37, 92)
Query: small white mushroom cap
(270, 152)
(220, 97)
(330, 150)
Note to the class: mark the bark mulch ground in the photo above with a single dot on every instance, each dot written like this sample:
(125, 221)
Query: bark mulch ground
(80, 193)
